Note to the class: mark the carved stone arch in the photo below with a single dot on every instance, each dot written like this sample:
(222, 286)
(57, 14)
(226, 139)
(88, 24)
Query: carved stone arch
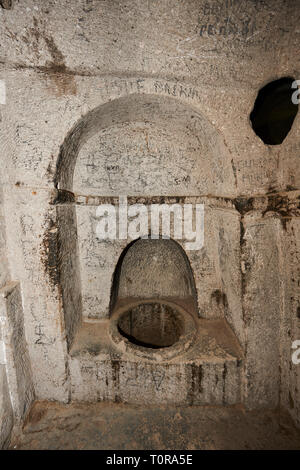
(192, 144)
(215, 171)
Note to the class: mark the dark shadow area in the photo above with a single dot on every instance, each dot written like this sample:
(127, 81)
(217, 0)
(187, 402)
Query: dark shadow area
(151, 325)
(116, 276)
(274, 112)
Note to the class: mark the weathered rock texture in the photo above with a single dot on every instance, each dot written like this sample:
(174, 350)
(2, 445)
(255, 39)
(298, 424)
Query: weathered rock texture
(150, 100)
(114, 427)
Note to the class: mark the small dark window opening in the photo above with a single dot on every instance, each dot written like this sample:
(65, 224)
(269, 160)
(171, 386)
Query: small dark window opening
(274, 111)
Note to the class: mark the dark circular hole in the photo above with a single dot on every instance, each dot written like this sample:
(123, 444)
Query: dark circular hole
(151, 325)
(274, 111)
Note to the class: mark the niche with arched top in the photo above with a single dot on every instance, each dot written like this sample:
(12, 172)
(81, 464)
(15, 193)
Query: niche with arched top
(147, 145)
(153, 299)
(153, 269)
(137, 145)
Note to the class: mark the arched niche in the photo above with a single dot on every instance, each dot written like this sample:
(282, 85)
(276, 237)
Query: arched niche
(154, 269)
(199, 156)
(190, 141)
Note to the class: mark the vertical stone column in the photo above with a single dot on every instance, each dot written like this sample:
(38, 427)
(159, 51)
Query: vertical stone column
(261, 309)
(31, 222)
(14, 350)
(290, 324)
(6, 411)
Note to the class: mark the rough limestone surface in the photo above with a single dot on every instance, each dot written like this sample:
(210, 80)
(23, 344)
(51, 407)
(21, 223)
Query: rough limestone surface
(6, 411)
(15, 357)
(149, 100)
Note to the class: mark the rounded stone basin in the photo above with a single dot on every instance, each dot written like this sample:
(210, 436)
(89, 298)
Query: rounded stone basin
(155, 329)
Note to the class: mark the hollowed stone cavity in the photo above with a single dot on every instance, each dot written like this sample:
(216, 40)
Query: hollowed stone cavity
(151, 325)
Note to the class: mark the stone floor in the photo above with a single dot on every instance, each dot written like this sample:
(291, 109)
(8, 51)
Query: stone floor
(111, 426)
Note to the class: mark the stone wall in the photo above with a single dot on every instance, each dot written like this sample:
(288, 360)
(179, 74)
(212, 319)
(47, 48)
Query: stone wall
(93, 86)
(6, 411)
(16, 358)
(290, 323)
(16, 385)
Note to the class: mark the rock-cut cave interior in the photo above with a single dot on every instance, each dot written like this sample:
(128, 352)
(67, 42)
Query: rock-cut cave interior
(149, 224)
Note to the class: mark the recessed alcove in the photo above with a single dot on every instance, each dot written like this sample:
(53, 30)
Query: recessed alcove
(153, 298)
(154, 269)
(154, 330)
(117, 147)
(126, 301)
